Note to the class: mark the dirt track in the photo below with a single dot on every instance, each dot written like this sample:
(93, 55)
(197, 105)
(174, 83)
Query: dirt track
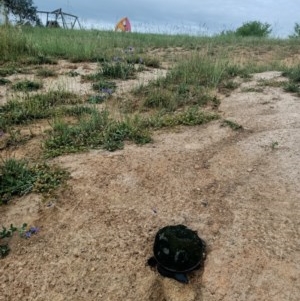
(239, 189)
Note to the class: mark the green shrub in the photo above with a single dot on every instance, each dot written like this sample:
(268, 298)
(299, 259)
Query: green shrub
(254, 29)
(296, 31)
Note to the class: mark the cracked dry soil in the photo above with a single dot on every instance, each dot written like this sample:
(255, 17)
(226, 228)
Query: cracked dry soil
(238, 189)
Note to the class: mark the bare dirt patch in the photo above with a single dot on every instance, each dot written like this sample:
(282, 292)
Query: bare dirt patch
(238, 189)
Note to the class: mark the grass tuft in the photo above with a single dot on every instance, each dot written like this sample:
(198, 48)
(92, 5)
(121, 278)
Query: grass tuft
(26, 85)
(233, 125)
(17, 178)
(34, 107)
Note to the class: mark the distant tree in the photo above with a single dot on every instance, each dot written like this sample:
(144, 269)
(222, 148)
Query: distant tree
(23, 10)
(296, 31)
(254, 28)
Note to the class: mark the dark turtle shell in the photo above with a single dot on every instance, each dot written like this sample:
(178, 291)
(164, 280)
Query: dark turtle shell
(178, 249)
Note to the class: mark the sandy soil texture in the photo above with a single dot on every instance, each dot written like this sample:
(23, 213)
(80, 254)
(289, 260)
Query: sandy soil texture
(238, 189)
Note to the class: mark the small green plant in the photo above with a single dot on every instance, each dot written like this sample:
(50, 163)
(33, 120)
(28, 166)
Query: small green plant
(104, 86)
(270, 83)
(8, 233)
(233, 125)
(160, 98)
(48, 178)
(96, 99)
(291, 87)
(35, 107)
(293, 74)
(4, 250)
(98, 130)
(73, 73)
(253, 89)
(77, 110)
(17, 178)
(189, 117)
(4, 233)
(274, 145)
(4, 81)
(227, 86)
(27, 85)
(46, 73)
(119, 69)
(7, 71)
(40, 60)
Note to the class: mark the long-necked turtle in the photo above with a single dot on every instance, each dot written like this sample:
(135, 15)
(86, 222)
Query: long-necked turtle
(177, 251)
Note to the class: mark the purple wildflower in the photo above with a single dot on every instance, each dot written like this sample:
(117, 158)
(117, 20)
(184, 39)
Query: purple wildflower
(34, 230)
(107, 90)
(27, 234)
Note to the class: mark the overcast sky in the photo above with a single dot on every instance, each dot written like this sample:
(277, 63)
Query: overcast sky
(185, 16)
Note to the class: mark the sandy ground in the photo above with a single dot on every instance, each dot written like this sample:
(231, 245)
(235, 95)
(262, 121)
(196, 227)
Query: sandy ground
(238, 189)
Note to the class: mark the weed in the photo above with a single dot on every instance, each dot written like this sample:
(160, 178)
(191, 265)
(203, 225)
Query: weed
(96, 99)
(5, 233)
(40, 60)
(293, 74)
(189, 117)
(77, 110)
(291, 87)
(46, 73)
(233, 125)
(17, 178)
(7, 71)
(121, 70)
(235, 70)
(160, 98)
(4, 250)
(34, 107)
(270, 83)
(73, 73)
(104, 85)
(16, 138)
(227, 86)
(8, 233)
(4, 81)
(253, 89)
(274, 145)
(26, 85)
(99, 130)
(48, 178)
(93, 77)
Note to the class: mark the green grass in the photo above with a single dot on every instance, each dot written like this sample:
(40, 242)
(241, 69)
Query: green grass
(44, 72)
(4, 81)
(233, 125)
(292, 87)
(26, 85)
(101, 131)
(18, 178)
(35, 107)
(190, 82)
